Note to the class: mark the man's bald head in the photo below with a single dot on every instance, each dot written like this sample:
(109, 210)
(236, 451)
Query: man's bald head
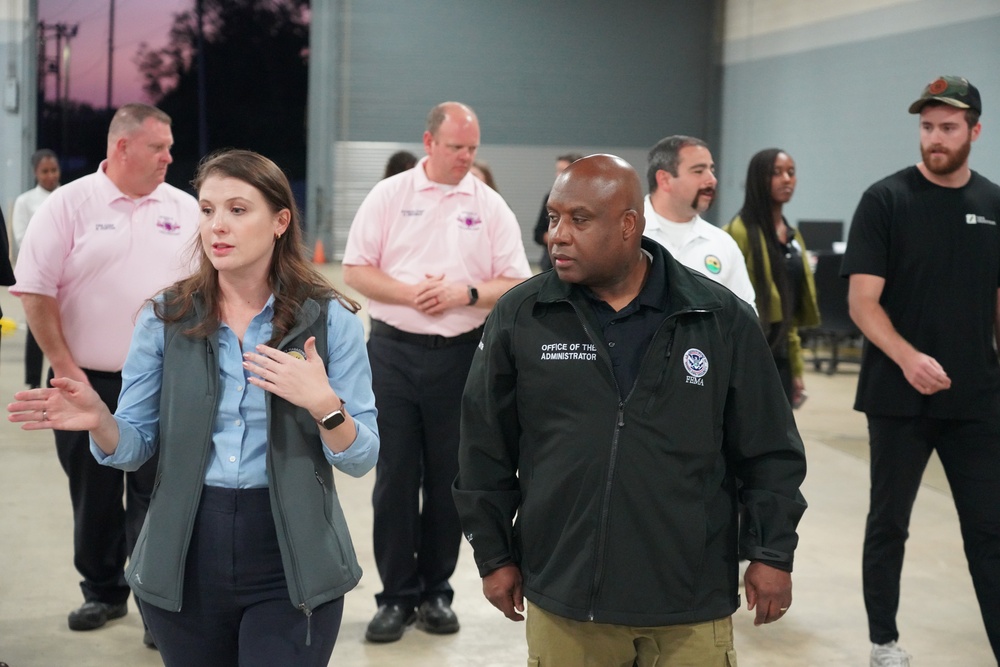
(596, 221)
(451, 141)
(609, 179)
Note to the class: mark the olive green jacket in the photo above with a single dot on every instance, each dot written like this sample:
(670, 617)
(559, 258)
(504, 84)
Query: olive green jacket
(806, 313)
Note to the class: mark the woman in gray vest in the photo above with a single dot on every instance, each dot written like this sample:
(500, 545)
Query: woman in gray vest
(251, 379)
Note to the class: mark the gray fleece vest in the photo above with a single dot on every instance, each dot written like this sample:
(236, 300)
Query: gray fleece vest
(316, 550)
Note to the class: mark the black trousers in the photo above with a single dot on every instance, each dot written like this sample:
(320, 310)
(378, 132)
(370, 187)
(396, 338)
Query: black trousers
(236, 610)
(33, 357)
(417, 534)
(104, 530)
(970, 453)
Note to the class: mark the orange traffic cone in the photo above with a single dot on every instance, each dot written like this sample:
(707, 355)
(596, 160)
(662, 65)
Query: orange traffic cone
(319, 257)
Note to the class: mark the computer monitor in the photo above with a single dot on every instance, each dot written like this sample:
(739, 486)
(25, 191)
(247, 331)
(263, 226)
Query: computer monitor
(820, 235)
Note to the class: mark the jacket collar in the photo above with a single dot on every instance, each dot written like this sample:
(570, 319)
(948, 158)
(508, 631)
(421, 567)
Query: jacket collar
(685, 290)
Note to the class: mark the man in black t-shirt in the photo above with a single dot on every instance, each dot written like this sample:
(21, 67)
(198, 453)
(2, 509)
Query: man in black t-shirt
(923, 258)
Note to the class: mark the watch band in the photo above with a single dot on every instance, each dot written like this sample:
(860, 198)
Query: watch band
(473, 295)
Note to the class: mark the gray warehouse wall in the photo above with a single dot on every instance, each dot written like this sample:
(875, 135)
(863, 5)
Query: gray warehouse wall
(835, 94)
(544, 77)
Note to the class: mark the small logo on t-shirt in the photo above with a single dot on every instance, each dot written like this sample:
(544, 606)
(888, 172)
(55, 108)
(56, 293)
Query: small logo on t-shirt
(104, 227)
(168, 225)
(411, 212)
(713, 265)
(696, 364)
(469, 220)
(973, 219)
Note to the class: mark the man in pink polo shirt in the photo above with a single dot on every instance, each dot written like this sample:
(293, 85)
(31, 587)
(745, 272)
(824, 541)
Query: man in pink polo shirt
(96, 249)
(432, 248)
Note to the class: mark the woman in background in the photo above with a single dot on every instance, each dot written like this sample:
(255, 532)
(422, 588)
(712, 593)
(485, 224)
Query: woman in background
(45, 165)
(779, 268)
(241, 376)
(399, 162)
(481, 170)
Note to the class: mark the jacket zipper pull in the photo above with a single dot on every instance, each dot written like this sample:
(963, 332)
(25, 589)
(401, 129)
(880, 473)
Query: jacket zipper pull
(308, 612)
(621, 415)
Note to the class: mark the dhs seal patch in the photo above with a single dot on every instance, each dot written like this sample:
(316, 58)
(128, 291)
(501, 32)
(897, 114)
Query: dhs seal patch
(713, 265)
(696, 364)
(295, 352)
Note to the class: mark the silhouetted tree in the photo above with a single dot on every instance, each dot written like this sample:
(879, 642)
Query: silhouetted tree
(255, 54)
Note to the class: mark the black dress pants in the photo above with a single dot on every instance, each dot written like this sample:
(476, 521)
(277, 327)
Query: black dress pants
(104, 530)
(417, 533)
(33, 358)
(970, 453)
(236, 610)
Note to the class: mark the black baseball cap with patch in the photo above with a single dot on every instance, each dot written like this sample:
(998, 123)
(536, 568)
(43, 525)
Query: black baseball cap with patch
(953, 90)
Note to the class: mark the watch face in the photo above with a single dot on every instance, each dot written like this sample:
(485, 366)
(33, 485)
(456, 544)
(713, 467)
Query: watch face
(332, 421)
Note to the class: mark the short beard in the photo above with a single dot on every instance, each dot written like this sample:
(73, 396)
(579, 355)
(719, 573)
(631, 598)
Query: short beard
(953, 162)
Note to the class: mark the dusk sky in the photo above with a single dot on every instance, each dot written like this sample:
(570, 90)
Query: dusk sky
(136, 21)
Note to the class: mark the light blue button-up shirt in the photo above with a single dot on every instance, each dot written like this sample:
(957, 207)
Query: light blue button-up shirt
(239, 436)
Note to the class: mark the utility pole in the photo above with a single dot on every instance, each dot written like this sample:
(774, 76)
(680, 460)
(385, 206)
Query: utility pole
(111, 51)
(202, 94)
(59, 66)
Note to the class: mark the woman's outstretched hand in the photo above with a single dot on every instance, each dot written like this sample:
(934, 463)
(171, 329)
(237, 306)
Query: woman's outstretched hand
(68, 405)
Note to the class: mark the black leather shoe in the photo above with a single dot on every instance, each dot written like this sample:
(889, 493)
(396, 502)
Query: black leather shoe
(93, 615)
(435, 616)
(147, 639)
(389, 622)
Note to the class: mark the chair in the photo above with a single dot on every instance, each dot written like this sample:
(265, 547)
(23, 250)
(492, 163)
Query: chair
(836, 327)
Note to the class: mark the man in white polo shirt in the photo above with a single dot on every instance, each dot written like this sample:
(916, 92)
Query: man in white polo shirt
(682, 181)
(432, 248)
(96, 249)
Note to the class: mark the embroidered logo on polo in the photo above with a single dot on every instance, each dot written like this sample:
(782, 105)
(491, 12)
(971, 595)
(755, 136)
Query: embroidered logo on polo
(469, 220)
(696, 364)
(569, 352)
(973, 219)
(713, 264)
(168, 225)
(295, 352)
(410, 212)
(104, 227)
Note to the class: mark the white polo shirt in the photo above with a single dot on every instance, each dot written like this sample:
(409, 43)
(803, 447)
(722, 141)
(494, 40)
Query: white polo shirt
(409, 226)
(24, 208)
(704, 248)
(101, 255)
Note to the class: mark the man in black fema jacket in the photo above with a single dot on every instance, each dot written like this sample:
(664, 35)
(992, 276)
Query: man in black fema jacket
(622, 407)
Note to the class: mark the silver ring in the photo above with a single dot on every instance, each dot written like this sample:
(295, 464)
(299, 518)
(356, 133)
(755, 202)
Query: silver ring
(45, 416)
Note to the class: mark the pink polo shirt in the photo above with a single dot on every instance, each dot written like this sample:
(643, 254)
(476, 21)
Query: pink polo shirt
(408, 226)
(101, 255)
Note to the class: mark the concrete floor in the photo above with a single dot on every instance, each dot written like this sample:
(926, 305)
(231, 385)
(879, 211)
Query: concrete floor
(939, 618)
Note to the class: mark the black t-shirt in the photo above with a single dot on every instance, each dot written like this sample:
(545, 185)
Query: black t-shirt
(939, 252)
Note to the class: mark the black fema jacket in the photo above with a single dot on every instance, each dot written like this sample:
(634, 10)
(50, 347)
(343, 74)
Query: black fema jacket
(316, 550)
(626, 510)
